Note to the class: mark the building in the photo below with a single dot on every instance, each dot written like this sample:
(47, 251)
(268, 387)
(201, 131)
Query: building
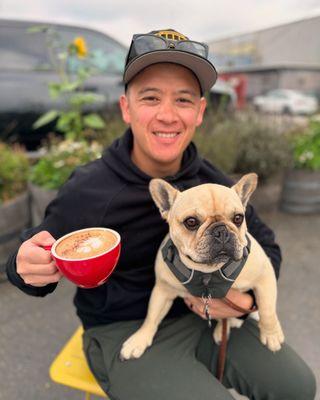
(285, 56)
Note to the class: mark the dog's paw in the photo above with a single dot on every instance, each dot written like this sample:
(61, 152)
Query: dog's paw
(272, 340)
(217, 333)
(135, 346)
(231, 323)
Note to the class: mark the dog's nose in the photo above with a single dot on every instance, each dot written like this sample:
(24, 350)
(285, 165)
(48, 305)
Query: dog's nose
(221, 234)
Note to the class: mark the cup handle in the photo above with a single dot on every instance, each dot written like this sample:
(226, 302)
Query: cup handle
(47, 247)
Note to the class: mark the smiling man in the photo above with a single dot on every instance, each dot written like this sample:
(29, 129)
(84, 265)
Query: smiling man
(166, 76)
(163, 107)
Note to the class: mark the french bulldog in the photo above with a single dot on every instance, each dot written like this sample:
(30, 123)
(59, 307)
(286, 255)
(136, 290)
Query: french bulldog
(207, 247)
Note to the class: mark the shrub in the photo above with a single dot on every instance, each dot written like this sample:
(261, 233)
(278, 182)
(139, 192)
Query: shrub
(243, 144)
(114, 128)
(52, 170)
(306, 147)
(14, 167)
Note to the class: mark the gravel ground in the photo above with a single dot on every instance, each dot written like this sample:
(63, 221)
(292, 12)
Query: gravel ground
(33, 330)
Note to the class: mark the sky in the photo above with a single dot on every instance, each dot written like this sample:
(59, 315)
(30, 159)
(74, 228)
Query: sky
(201, 20)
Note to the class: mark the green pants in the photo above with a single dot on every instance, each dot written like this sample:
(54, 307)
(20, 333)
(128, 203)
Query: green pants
(181, 364)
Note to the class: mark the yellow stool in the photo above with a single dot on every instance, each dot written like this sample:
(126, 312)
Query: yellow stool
(70, 368)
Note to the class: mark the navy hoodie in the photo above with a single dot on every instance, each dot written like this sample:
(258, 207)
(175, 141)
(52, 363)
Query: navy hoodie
(113, 192)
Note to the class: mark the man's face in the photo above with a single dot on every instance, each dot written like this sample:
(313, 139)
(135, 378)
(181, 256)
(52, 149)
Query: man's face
(163, 107)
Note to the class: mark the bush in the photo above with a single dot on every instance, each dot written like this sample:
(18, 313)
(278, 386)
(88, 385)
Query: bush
(52, 171)
(243, 144)
(306, 147)
(218, 142)
(14, 167)
(114, 128)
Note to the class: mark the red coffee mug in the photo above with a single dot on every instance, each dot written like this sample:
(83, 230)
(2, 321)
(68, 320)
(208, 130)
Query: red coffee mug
(88, 272)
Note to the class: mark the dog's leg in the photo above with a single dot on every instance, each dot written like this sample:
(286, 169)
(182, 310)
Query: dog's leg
(265, 290)
(231, 323)
(159, 305)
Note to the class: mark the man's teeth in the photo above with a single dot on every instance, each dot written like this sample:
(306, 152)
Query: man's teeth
(166, 135)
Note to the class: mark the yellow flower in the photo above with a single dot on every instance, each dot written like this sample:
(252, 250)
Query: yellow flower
(81, 46)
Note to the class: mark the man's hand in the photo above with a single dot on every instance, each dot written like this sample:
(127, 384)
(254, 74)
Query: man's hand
(34, 264)
(217, 308)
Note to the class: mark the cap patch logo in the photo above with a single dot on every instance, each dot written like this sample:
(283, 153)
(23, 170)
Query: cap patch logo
(171, 35)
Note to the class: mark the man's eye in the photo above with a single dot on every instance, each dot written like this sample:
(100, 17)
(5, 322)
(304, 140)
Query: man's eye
(238, 219)
(150, 98)
(191, 223)
(184, 100)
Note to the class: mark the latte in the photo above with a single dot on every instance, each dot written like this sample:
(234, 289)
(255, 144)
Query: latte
(86, 244)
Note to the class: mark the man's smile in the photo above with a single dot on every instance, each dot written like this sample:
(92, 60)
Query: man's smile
(166, 134)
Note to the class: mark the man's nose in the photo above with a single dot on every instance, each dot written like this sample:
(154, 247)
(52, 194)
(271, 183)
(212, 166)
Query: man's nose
(166, 112)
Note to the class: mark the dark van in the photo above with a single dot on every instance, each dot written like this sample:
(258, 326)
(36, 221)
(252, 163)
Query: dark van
(26, 70)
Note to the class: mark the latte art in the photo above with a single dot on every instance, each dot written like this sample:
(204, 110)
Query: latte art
(86, 244)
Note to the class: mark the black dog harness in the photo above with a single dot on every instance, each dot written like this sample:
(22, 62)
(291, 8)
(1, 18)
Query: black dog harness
(201, 284)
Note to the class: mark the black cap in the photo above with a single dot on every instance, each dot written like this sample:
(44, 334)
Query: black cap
(199, 65)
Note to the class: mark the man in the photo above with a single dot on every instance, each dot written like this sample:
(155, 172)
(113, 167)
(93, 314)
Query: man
(166, 76)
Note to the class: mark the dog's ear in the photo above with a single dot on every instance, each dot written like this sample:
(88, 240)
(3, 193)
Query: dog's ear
(163, 195)
(245, 187)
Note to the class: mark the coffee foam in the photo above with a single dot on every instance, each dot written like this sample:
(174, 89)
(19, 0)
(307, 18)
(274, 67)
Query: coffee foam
(85, 244)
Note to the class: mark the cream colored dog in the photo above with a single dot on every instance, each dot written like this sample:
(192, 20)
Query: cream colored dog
(208, 230)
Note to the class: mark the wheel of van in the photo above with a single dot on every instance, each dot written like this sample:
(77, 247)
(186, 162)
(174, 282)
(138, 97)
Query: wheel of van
(286, 110)
(257, 108)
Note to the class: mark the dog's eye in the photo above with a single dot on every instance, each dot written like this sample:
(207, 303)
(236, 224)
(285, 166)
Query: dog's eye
(238, 219)
(191, 223)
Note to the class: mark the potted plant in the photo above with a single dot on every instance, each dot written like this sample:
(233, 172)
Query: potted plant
(301, 185)
(14, 204)
(54, 168)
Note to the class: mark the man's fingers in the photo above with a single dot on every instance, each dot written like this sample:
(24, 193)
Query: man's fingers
(36, 256)
(41, 280)
(38, 269)
(43, 238)
(196, 305)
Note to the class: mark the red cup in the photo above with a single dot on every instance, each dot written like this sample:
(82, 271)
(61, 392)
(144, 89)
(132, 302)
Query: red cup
(88, 272)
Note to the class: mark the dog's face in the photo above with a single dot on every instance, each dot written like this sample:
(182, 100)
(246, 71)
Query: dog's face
(206, 222)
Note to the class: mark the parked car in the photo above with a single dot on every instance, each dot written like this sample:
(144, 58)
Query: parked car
(26, 69)
(286, 101)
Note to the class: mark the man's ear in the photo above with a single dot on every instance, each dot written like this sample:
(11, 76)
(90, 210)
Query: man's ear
(163, 195)
(203, 105)
(245, 187)
(124, 106)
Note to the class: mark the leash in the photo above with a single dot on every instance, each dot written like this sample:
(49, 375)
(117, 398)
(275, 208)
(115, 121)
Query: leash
(223, 345)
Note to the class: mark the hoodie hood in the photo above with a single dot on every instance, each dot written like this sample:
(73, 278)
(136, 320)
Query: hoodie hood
(118, 159)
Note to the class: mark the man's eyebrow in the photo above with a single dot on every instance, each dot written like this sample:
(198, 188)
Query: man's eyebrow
(187, 91)
(149, 89)
(157, 90)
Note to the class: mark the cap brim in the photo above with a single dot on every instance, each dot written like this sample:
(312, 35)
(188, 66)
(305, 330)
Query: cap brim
(202, 68)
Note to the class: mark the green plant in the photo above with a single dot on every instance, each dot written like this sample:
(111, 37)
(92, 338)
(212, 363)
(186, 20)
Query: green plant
(13, 172)
(242, 143)
(114, 128)
(52, 170)
(217, 141)
(306, 147)
(72, 122)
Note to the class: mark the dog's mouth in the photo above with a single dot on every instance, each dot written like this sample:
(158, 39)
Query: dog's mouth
(222, 257)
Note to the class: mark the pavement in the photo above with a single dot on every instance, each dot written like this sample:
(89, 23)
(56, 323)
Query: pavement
(32, 330)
